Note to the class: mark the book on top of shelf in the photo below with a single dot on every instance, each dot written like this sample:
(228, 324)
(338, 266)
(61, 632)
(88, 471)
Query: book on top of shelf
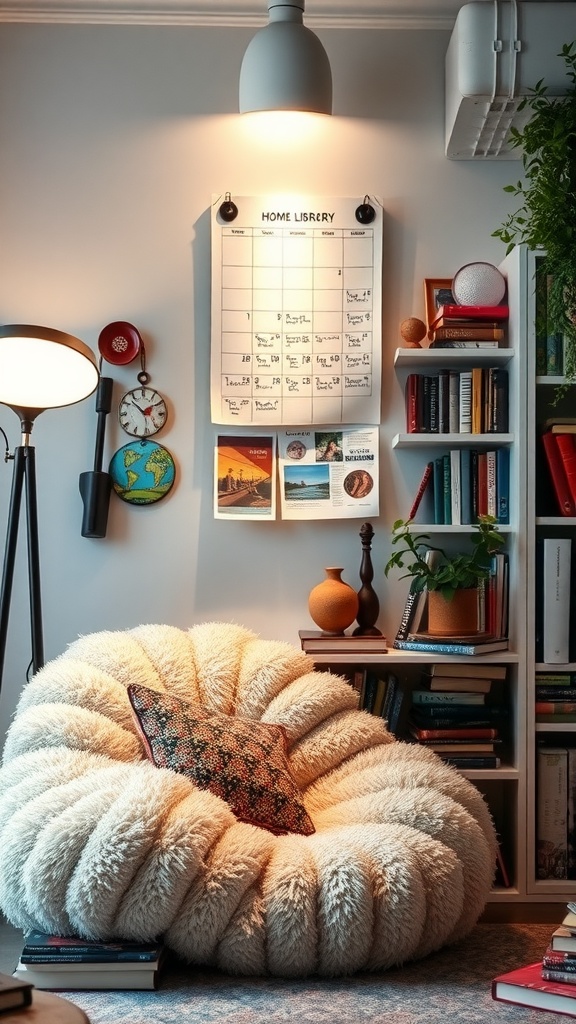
(314, 641)
(449, 311)
(461, 343)
(525, 986)
(14, 993)
(449, 647)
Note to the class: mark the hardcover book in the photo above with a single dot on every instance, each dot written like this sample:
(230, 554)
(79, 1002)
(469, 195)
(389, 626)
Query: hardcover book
(559, 480)
(449, 311)
(525, 986)
(463, 649)
(313, 641)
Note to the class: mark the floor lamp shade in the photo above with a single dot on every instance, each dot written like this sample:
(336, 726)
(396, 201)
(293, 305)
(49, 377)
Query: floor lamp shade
(285, 66)
(41, 368)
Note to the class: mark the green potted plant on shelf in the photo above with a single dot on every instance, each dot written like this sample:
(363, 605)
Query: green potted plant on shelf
(547, 216)
(451, 581)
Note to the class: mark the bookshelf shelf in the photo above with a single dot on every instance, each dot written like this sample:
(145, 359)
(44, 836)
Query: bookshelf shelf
(453, 528)
(555, 521)
(454, 357)
(487, 441)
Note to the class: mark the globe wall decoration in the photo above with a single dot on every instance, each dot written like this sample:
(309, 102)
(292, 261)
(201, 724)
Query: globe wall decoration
(142, 472)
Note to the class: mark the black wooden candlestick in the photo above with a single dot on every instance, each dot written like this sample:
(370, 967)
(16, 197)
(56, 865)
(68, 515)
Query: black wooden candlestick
(368, 603)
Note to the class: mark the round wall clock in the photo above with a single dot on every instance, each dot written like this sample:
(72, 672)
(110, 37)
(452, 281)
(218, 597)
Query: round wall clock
(142, 472)
(142, 412)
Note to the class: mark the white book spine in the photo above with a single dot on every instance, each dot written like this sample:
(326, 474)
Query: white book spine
(465, 424)
(552, 813)
(454, 402)
(556, 619)
(456, 488)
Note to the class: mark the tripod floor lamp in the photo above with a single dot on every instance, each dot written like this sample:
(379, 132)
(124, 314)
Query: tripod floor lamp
(40, 368)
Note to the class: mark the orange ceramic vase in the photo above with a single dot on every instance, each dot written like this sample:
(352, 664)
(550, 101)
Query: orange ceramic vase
(333, 604)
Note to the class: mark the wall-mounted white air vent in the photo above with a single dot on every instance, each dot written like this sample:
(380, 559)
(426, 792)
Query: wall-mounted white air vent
(498, 51)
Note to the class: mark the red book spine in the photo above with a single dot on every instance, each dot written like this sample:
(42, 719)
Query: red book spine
(567, 448)
(566, 504)
(420, 493)
(456, 734)
(413, 425)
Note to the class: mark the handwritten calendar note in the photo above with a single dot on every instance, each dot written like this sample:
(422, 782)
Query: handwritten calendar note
(296, 312)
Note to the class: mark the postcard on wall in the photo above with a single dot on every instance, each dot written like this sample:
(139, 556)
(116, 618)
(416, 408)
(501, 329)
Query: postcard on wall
(296, 312)
(328, 473)
(245, 477)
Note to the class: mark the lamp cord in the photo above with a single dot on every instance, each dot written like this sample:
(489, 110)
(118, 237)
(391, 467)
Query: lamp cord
(7, 452)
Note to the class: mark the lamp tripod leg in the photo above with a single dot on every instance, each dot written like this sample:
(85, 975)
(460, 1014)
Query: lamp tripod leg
(10, 549)
(33, 560)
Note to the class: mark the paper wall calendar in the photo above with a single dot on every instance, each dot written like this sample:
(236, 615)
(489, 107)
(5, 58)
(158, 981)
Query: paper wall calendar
(296, 312)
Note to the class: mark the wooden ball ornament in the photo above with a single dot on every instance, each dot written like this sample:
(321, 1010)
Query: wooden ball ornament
(412, 331)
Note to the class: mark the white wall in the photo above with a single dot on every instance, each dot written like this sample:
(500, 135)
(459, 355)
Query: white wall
(112, 141)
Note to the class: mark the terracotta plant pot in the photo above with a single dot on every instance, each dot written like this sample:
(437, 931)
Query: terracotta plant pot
(458, 617)
(333, 604)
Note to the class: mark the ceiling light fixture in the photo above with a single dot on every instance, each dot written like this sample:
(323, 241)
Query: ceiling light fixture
(285, 66)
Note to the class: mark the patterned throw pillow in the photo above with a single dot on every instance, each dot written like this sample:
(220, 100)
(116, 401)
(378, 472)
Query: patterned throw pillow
(241, 761)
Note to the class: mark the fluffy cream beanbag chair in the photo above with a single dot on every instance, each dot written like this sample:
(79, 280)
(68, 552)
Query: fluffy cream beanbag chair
(96, 840)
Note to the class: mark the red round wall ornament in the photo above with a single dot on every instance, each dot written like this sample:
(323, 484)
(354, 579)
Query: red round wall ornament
(119, 342)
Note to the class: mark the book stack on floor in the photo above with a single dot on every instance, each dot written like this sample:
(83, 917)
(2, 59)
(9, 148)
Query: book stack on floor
(451, 714)
(549, 984)
(468, 326)
(71, 963)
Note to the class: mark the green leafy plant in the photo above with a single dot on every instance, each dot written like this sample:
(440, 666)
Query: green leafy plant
(547, 216)
(432, 569)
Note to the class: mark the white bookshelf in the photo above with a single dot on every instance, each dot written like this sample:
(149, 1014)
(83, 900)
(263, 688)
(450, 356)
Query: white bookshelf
(540, 392)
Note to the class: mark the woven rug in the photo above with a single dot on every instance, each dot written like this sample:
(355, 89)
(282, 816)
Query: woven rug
(449, 987)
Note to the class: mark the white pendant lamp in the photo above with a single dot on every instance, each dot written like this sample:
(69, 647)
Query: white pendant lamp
(285, 66)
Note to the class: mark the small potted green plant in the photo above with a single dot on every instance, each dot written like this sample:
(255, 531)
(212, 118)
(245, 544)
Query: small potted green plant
(547, 216)
(445, 576)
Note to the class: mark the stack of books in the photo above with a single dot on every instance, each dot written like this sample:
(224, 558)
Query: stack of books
(468, 326)
(71, 963)
(549, 984)
(493, 613)
(555, 697)
(450, 714)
